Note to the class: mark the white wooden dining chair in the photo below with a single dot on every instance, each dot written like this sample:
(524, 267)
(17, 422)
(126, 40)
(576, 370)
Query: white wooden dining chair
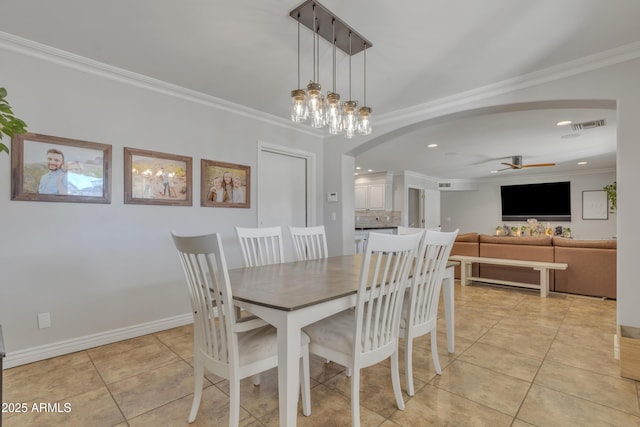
(420, 313)
(261, 246)
(369, 334)
(227, 347)
(309, 242)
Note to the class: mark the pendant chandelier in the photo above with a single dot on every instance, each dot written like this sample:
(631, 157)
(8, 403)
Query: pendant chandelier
(310, 104)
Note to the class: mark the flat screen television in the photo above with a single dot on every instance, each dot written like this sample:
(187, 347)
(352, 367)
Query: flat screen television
(549, 201)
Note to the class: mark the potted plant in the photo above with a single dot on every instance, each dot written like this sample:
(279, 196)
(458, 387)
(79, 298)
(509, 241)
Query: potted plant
(612, 195)
(9, 124)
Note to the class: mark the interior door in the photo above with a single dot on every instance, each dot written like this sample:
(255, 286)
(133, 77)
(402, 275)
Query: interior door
(282, 194)
(415, 208)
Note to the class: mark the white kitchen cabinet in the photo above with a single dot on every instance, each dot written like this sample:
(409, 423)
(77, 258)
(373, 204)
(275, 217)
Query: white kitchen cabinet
(360, 197)
(376, 197)
(371, 197)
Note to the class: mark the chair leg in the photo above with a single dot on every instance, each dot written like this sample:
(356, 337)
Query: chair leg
(305, 382)
(198, 373)
(234, 401)
(408, 363)
(434, 352)
(395, 380)
(355, 397)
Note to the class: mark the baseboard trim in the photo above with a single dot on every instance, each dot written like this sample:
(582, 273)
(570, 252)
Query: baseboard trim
(59, 348)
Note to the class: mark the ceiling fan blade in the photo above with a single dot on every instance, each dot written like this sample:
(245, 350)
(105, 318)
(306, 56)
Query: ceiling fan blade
(511, 165)
(536, 165)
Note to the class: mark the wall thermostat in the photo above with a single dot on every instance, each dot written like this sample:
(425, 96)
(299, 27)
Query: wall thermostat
(332, 197)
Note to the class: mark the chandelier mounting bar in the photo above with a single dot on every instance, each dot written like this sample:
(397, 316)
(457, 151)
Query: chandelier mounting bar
(324, 27)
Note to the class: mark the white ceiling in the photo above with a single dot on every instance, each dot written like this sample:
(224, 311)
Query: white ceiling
(244, 52)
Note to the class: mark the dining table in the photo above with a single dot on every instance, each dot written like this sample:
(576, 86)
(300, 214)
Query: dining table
(292, 295)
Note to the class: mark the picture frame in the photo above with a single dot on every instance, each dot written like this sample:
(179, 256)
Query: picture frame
(155, 178)
(595, 204)
(224, 185)
(48, 168)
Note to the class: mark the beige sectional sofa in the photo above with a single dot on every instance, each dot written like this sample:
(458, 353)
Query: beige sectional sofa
(591, 263)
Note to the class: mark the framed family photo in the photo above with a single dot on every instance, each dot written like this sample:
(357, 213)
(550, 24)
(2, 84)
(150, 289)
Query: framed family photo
(54, 169)
(225, 185)
(153, 178)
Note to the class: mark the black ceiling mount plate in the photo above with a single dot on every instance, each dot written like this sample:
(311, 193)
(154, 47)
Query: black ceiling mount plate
(325, 18)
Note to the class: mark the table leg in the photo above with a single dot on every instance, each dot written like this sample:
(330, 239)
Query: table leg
(449, 307)
(288, 371)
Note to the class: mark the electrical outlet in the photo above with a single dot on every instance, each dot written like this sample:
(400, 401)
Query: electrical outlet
(44, 320)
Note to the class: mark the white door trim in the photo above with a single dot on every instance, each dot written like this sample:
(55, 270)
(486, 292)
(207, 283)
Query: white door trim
(310, 159)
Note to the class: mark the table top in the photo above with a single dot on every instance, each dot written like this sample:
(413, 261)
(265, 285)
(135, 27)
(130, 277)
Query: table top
(295, 285)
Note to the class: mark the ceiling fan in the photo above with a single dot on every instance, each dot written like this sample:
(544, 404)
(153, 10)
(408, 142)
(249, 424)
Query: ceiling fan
(516, 163)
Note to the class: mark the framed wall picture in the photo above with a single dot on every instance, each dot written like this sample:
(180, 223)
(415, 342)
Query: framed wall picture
(225, 185)
(54, 169)
(595, 205)
(153, 178)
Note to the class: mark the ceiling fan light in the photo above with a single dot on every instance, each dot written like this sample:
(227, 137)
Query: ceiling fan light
(298, 106)
(364, 120)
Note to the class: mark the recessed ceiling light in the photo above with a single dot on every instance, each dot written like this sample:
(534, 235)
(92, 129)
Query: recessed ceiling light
(432, 145)
(582, 163)
(356, 174)
(564, 123)
(358, 167)
(369, 170)
(494, 171)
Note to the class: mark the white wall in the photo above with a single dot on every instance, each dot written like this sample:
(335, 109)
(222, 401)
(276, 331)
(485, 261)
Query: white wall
(98, 268)
(479, 210)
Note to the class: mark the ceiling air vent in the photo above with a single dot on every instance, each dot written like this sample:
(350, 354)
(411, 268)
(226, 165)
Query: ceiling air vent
(444, 185)
(588, 125)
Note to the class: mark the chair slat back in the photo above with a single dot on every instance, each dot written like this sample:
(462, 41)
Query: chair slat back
(309, 242)
(207, 278)
(427, 277)
(383, 279)
(261, 246)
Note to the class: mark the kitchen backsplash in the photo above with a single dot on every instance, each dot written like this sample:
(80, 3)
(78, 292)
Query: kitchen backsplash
(378, 218)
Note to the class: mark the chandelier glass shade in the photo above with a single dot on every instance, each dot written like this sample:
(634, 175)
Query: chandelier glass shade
(298, 96)
(310, 104)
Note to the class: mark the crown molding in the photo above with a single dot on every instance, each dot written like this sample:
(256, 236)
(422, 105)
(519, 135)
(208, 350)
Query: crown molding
(586, 64)
(67, 59)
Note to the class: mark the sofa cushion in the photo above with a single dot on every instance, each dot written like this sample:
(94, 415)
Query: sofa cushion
(591, 271)
(576, 243)
(527, 240)
(468, 246)
(467, 237)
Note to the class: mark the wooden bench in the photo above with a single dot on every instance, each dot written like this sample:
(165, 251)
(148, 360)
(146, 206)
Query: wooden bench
(543, 267)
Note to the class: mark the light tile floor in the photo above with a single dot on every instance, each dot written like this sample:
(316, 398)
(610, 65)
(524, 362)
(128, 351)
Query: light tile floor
(520, 360)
